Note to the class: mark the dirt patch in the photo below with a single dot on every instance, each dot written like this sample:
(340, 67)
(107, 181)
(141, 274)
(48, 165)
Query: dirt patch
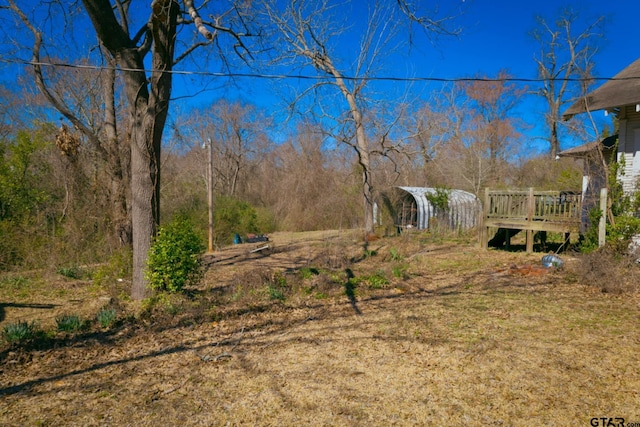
(455, 335)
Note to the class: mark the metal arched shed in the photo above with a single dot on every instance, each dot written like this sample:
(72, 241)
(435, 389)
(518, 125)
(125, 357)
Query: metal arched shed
(415, 210)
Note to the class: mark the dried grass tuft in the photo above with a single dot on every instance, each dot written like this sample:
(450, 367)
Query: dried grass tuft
(608, 271)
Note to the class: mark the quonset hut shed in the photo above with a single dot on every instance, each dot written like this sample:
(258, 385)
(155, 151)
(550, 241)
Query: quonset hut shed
(414, 210)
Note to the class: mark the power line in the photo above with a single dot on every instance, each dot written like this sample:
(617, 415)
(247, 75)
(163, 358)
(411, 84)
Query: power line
(320, 78)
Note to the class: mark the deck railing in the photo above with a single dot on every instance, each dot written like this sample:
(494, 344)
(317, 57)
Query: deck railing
(530, 205)
(531, 210)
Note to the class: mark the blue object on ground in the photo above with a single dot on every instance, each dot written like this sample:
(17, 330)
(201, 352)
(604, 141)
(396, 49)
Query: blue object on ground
(552, 261)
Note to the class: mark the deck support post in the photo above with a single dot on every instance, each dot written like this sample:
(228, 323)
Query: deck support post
(484, 230)
(531, 202)
(529, 241)
(602, 225)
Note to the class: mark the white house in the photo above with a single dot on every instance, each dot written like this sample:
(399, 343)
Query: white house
(619, 96)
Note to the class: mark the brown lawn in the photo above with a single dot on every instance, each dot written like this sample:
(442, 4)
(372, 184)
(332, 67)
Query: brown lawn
(455, 336)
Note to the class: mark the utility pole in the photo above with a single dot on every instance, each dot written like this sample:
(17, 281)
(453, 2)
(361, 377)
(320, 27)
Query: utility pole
(210, 195)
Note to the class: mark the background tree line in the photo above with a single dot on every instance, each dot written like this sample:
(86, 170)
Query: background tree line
(98, 186)
(55, 208)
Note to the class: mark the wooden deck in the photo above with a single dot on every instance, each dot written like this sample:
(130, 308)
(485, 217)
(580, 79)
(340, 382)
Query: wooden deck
(556, 211)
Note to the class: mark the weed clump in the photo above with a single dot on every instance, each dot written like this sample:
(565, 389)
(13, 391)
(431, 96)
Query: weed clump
(106, 317)
(609, 271)
(73, 272)
(20, 332)
(69, 323)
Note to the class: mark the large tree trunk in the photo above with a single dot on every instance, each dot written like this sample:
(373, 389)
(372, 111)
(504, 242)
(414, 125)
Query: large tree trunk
(118, 162)
(148, 113)
(362, 150)
(367, 185)
(554, 140)
(144, 173)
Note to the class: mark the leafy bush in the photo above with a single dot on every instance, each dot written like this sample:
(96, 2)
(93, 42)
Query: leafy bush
(400, 271)
(439, 199)
(175, 257)
(368, 253)
(20, 331)
(275, 293)
(277, 286)
(589, 241)
(619, 235)
(623, 206)
(69, 323)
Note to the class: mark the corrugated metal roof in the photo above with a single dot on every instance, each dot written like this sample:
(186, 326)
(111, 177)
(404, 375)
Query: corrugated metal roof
(463, 207)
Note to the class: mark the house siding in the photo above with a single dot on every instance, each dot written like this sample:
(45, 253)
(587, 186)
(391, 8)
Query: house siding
(629, 146)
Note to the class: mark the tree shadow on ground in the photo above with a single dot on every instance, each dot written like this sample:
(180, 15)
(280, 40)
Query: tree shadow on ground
(349, 290)
(22, 305)
(264, 329)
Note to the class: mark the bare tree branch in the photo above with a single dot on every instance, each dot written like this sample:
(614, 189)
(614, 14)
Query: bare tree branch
(563, 57)
(58, 103)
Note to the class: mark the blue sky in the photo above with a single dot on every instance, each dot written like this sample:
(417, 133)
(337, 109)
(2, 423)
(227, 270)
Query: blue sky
(495, 37)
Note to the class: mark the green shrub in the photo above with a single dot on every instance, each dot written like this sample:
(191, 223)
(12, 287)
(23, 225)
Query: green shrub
(275, 293)
(20, 331)
(624, 225)
(175, 257)
(69, 323)
(619, 235)
(368, 253)
(589, 241)
(400, 271)
(439, 199)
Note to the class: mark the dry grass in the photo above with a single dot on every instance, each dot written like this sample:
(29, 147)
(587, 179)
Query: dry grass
(464, 337)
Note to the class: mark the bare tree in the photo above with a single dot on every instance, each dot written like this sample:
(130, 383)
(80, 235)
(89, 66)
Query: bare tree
(430, 127)
(239, 135)
(492, 127)
(565, 64)
(144, 57)
(308, 33)
(466, 136)
(304, 185)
